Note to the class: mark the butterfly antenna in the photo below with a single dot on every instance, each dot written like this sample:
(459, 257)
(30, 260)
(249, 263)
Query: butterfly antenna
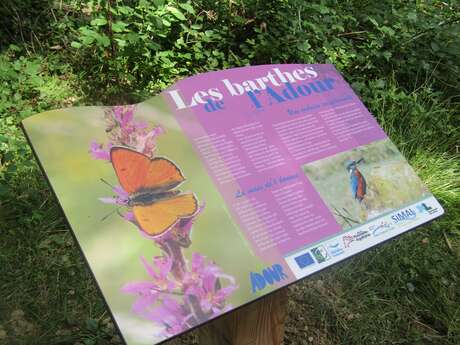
(110, 213)
(119, 213)
(107, 183)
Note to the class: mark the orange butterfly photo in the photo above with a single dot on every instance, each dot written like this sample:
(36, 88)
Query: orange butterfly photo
(150, 183)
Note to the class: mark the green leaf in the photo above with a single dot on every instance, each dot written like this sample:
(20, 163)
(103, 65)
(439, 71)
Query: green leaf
(380, 83)
(373, 21)
(103, 40)
(158, 22)
(92, 324)
(153, 46)
(412, 16)
(304, 46)
(133, 37)
(176, 12)
(188, 8)
(125, 9)
(14, 48)
(87, 40)
(32, 68)
(3, 189)
(99, 21)
(121, 43)
(387, 55)
(144, 4)
(119, 26)
(76, 45)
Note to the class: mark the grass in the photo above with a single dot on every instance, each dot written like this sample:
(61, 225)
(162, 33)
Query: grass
(406, 291)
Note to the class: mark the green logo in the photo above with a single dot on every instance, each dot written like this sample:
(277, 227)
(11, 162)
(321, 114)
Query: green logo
(320, 254)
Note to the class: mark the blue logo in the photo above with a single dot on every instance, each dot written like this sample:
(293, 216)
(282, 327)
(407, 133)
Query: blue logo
(424, 208)
(304, 260)
(268, 276)
(335, 249)
(380, 228)
(404, 215)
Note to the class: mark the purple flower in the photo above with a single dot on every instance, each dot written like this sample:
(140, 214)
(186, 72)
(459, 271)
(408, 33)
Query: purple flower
(146, 292)
(97, 151)
(161, 278)
(144, 140)
(179, 293)
(129, 216)
(123, 130)
(150, 291)
(124, 115)
(121, 198)
(172, 315)
(199, 269)
(210, 296)
(202, 282)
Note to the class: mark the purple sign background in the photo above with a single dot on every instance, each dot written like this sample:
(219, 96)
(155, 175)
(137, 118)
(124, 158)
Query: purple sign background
(255, 127)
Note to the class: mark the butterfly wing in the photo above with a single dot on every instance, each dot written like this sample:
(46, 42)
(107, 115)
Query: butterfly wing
(160, 216)
(136, 171)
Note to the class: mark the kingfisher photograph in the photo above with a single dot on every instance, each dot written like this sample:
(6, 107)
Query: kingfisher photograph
(364, 183)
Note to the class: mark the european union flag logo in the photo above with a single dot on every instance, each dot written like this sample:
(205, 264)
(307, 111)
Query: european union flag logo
(304, 260)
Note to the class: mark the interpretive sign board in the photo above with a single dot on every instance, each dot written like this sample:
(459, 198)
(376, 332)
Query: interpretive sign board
(225, 187)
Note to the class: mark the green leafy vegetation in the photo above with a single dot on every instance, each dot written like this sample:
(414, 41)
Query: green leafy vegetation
(401, 57)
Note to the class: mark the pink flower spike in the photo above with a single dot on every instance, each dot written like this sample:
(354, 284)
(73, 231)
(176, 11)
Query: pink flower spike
(129, 216)
(200, 269)
(127, 116)
(121, 198)
(164, 264)
(121, 193)
(137, 287)
(156, 131)
(211, 298)
(169, 314)
(97, 151)
(161, 278)
(225, 292)
(146, 292)
(109, 200)
(197, 262)
(209, 283)
(118, 113)
(138, 125)
(144, 301)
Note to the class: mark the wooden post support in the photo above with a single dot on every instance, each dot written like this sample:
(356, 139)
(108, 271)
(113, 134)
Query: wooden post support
(260, 323)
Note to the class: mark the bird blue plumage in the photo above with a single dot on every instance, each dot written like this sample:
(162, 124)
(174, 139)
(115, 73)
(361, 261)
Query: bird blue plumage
(357, 181)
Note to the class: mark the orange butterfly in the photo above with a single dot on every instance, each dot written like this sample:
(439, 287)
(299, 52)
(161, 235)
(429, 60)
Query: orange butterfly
(150, 183)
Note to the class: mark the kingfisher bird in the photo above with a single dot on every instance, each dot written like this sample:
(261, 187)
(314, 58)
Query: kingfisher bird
(357, 180)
